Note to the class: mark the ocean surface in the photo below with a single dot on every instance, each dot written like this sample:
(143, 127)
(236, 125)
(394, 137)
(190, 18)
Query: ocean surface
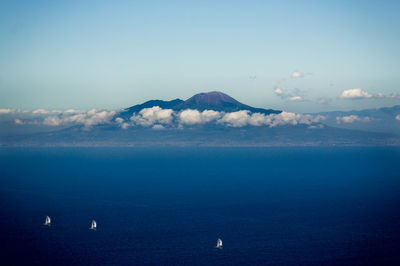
(168, 206)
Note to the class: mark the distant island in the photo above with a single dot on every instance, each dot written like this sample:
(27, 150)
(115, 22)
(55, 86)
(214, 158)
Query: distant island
(205, 119)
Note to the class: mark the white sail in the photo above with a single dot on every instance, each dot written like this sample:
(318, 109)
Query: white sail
(219, 243)
(47, 221)
(93, 226)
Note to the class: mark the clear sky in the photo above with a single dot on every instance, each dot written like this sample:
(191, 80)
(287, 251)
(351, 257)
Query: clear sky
(113, 54)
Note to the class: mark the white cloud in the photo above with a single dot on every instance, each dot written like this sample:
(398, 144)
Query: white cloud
(355, 94)
(40, 112)
(289, 95)
(191, 117)
(258, 119)
(21, 122)
(72, 111)
(88, 119)
(91, 112)
(119, 120)
(316, 126)
(243, 118)
(278, 91)
(236, 119)
(6, 111)
(101, 117)
(288, 118)
(18, 122)
(323, 101)
(150, 116)
(296, 99)
(285, 118)
(78, 118)
(398, 117)
(158, 127)
(210, 115)
(52, 121)
(351, 119)
(297, 74)
(125, 125)
(362, 94)
(158, 118)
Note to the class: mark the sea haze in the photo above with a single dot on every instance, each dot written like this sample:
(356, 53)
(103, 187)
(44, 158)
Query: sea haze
(292, 205)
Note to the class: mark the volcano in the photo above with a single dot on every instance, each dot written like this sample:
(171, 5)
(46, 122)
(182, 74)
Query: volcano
(214, 100)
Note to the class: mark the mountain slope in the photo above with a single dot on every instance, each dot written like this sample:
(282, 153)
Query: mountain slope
(162, 104)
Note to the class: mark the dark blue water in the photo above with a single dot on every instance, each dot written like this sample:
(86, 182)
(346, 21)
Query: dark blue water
(169, 206)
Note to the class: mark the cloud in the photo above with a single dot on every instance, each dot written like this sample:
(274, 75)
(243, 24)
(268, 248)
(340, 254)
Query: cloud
(158, 127)
(210, 115)
(398, 117)
(296, 99)
(22, 122)
(6, 111)
(72, 111)
(150, 116)
(158, 118)
(125, 125)
(45, 112)
(101, 117)
(92, 112)
(258, 119)
(52, 121)
(288, 118)
(119, 120)
(296, 74)
(40, 112)
(323, 101)
(191, 117)
(88, 119)
(294, 95)
(244, 118)
(278, 91)
(355, 94)
(236, 119)
(18, 122)
(316, 126)
(351, 119)
(233, 119)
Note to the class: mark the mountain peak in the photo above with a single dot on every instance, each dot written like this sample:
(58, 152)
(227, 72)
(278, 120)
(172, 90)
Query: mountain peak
(219, 101)
(213, 98)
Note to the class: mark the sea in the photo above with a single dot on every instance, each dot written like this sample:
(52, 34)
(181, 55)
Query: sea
(168, 206)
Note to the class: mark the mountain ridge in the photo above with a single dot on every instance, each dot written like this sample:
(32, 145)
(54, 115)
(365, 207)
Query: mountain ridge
(374, 120)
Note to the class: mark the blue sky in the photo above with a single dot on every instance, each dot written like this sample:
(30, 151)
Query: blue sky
(113, 54)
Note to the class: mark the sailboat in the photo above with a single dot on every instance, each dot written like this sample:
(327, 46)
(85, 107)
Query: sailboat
(93, 226)
(47, 221)
(219, 243)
